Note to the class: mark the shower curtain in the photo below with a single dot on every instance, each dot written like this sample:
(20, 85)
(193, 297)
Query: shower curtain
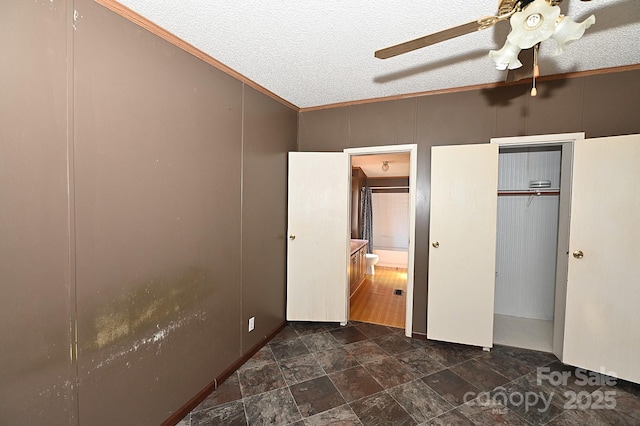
(366, 218)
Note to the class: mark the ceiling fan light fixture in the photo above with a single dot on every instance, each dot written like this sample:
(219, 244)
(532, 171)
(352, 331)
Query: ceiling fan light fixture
(569, 30)
(536, 23)
(532, 22)
(507, 57)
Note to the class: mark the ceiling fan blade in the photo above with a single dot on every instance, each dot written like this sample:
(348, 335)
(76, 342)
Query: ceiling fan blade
(526, 70)
(430, 39)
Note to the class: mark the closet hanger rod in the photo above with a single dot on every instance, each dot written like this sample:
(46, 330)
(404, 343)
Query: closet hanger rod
(388, 187)
(531, 192)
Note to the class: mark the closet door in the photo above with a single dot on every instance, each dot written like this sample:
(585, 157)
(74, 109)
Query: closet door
(462, 254)
(318, 240)
(602, 317)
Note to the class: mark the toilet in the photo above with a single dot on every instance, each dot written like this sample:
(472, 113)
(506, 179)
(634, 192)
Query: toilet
(371, 259)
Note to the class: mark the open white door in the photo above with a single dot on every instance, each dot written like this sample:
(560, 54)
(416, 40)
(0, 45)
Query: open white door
(464, 184)
(318, 244)
(602, 317)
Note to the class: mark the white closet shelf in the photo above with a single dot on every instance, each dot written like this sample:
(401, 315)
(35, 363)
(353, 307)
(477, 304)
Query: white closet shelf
(514, 192)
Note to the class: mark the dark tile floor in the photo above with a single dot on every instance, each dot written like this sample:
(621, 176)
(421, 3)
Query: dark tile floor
(364, 374)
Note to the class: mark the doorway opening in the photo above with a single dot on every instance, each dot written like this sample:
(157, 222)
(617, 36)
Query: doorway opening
(529, 183)
(531, 278)
(389, 172)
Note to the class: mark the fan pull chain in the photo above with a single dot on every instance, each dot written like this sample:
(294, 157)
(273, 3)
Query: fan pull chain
(536, 69)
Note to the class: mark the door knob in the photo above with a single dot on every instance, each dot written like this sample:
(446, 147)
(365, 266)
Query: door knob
(292, 237)
(578, 254)
(435, 244)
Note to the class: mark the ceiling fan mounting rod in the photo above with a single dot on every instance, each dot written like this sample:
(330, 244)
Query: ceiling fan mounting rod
(490, 21)
(507, 6)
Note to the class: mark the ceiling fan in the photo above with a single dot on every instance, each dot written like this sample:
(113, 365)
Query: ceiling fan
(532, 22)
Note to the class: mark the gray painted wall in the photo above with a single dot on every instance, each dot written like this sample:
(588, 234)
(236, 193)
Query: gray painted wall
(143, 213)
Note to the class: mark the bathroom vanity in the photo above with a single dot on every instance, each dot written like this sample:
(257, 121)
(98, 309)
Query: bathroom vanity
(357, 264)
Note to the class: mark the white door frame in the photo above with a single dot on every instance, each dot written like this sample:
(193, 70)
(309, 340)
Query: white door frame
(565, 140)
(554, 139)
(412, 150)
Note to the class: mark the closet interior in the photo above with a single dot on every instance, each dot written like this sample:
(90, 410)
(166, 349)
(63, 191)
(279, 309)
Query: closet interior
(529, 203)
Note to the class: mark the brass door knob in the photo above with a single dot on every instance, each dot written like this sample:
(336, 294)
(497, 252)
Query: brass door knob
(435, 244)
(292, 237)
(578, 254)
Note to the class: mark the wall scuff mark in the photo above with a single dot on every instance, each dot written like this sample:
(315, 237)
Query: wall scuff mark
(158, 301)
(156, 338)
(146, 316)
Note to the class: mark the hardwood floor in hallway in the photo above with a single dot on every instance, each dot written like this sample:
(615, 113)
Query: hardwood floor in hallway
(376, 300)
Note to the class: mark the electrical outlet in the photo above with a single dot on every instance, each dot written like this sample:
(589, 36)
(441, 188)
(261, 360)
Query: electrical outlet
(252, 323)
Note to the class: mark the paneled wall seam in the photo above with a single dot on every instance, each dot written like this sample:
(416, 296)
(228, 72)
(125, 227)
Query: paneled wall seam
(242, 195)
(527, 107)
(74, 403)
(395, 123)
(417, 186)
(349, 141)
(298, 131)
(582, 97)
(495, 113)
(416, 122)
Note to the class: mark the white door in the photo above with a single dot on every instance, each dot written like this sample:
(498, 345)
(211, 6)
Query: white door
(318, 226)
(602, 319)
(464, 184)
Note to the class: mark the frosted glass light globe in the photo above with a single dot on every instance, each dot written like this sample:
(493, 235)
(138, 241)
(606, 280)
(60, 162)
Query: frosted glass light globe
(536, 23)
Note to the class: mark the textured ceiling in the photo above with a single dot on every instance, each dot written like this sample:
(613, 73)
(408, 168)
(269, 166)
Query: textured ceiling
(313, 53)
(371, 165)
